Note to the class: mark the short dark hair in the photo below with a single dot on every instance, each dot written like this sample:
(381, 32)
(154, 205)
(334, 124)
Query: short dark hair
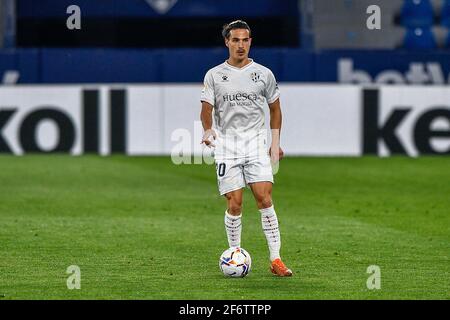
(238, 24)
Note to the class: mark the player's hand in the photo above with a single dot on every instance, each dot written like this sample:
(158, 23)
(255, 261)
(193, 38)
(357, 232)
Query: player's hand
(274, 155)
(206, 138)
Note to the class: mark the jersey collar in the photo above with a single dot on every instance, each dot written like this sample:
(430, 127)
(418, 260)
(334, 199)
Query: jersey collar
(239, 69)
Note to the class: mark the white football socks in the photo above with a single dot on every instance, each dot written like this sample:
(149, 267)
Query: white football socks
(233, 226)
(269, 222)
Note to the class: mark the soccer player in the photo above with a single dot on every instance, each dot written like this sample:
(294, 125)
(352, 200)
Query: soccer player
(236, 92)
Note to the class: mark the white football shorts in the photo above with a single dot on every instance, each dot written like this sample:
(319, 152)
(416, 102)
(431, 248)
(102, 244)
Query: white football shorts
(234, 174)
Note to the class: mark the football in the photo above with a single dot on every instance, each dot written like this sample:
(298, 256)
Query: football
(235, 262)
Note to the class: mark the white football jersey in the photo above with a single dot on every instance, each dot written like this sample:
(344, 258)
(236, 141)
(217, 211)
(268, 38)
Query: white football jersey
(239, 96)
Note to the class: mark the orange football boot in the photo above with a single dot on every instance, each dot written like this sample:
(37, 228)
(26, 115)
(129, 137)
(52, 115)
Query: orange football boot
(280, 269)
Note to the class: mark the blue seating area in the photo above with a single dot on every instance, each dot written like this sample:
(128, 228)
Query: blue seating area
(447, 40)
(419, 38)
(420, 19)
(417, 14)
(445, 15)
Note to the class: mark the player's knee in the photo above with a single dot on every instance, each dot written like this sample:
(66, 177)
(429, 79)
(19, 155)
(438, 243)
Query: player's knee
(265, 201)
(234, 209)
(234, 205)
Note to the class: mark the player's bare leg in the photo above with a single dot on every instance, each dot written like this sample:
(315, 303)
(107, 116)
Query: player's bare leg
(233, 214)
(262, 191)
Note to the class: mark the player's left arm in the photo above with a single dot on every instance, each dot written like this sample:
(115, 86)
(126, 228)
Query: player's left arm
(275, 151)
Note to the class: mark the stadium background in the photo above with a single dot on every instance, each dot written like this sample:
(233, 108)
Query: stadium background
(128, 83)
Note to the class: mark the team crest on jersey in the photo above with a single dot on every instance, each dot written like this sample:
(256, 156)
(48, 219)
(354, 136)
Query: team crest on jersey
(255, 77)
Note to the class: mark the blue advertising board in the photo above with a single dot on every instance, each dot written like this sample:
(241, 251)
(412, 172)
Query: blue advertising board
(102, 65)
(383, 66)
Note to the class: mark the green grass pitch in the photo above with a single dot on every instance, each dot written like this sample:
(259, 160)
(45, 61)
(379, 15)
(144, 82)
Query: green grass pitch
(143, 228)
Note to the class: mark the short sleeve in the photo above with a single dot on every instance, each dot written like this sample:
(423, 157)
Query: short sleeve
(208, 89)
(272, 92)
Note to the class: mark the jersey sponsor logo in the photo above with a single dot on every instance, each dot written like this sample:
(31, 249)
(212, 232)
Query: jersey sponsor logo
(240, 96)
(225, 78)
(240, 99)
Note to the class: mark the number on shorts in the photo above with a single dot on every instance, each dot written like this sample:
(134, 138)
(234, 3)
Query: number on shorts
(221, 169)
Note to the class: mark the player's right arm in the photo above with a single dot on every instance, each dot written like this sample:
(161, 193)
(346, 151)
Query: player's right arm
(206, 117)
(208, 99)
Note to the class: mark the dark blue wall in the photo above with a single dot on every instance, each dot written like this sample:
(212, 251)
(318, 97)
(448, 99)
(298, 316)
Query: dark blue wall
(140, 8)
